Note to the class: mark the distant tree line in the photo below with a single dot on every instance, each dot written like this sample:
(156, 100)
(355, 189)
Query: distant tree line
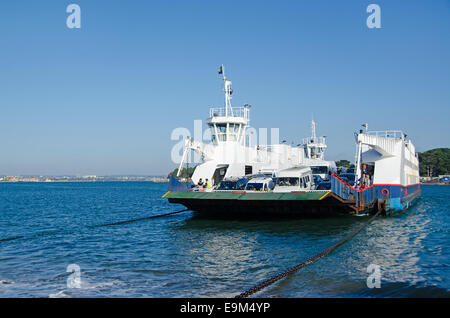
(185, 172)
(344, 163)
(436, 161)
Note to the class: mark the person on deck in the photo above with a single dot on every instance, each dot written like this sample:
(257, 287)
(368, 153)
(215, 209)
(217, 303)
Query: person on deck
(200, 183)
(364, 176)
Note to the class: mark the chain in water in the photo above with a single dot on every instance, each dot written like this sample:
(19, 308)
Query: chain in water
(109, 224)
(292, 270)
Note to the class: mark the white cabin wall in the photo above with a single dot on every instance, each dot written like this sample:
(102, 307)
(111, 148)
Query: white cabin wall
(387, 171)
(411, 164)
(204, 171)
(235, 170)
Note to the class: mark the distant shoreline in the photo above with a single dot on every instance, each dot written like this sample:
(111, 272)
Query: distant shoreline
(157, 181)
(84, 181)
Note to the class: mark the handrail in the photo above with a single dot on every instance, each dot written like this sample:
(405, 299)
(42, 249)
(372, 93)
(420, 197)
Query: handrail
(241, 112)
(313, 140)
(342, 188)
(362, 197)
(387, 134)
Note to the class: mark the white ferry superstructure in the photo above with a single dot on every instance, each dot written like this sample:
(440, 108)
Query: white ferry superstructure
(229, 153)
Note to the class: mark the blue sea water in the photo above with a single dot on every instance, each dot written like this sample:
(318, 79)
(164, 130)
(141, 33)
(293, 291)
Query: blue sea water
(184, 255)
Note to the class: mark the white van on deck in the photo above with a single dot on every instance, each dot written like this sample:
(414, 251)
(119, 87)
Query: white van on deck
(294, 179)
(260, 184)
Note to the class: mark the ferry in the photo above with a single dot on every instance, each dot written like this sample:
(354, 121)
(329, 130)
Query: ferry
(393, 167)
(281, 179)
(231, 154)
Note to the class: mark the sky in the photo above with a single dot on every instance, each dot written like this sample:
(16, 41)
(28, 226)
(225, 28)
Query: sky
(104, 99)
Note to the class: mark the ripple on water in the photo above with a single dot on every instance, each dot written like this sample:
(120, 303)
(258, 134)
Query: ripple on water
(187, 256)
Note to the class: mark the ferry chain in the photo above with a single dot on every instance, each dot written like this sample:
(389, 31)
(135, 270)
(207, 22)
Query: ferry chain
(292, 270)
(141, 219)
(110, 224)
(265, 283)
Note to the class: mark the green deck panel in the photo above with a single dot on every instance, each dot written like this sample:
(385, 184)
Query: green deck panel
(312, 196)
(261, 196)
(204, 195)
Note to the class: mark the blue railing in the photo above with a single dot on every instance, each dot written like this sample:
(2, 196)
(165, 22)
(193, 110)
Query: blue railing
(362, 198)
(343, 189)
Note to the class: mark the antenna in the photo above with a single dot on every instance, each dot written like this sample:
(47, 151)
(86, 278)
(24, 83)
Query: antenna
(228, 90)
(313, 129)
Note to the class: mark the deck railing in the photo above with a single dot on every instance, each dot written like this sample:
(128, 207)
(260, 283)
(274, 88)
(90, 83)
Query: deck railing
(394, 134)
(313, 140)
(232, 112)
(343, 189)
(361, 197)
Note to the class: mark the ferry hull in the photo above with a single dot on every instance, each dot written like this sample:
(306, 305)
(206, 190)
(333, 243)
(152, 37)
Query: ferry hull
(263, 204)
(400, 197)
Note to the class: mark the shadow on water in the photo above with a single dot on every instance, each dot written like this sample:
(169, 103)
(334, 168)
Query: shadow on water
(318, 226)
(401, 289)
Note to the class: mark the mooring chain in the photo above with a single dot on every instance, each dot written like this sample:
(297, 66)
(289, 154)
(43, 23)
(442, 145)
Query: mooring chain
(141, 219)
(109, 224)
(292, 270)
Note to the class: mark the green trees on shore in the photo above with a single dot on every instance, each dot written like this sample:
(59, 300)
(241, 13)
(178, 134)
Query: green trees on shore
(435, 161)
(185, 172)
(344, 163)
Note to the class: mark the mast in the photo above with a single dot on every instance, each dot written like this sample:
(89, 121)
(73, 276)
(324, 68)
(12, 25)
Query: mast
(228, 91)
(313, 130)
(228, 123)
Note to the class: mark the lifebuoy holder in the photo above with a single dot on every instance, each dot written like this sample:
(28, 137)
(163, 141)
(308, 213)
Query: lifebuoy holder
(385, 192)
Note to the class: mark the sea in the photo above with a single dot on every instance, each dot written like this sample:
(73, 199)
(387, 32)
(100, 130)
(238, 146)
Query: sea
(51, 245)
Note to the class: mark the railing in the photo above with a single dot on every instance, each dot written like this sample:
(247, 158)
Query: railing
(343, 189)
(315, 140)
(395, 134)
(365, 197)
(232, 112)
(362, 197)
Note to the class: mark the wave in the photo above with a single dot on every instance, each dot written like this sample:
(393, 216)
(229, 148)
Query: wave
(61, 294)
(6, 282)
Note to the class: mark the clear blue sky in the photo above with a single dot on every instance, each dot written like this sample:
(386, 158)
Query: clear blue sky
(105, 98)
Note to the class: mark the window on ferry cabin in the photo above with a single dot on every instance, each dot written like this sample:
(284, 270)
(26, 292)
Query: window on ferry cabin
(319, 170)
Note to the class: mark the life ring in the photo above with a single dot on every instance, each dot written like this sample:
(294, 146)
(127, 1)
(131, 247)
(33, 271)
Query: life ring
(385, 192)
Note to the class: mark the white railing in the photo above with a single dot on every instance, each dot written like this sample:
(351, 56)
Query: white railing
(393, 134)
(315, 140)
(242, 112)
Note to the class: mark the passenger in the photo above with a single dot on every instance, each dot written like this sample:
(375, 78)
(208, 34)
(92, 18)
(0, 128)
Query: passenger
(200, 183)
(207, 184)
(364, 176)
